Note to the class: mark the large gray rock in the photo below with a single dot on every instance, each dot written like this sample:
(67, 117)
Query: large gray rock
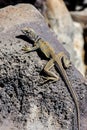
(24, 103)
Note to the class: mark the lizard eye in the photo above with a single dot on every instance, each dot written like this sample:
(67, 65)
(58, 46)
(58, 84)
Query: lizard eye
(26, 32)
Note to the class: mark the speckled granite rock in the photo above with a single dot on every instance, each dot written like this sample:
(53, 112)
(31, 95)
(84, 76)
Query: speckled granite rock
(24, 103)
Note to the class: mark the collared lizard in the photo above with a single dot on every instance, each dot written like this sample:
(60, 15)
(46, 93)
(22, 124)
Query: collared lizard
(60, 60)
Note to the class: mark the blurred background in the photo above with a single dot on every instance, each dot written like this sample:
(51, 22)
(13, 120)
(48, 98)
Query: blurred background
(68, 20)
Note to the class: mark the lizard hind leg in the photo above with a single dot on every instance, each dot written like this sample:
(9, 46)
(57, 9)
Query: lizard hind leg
(66, 62)
(52, 75)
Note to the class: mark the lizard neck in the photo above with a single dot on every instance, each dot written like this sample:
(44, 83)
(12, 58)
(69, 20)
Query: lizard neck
(52, 54)
(37, 38)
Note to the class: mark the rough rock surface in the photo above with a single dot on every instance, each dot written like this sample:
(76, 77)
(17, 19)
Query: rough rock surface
(24, 103)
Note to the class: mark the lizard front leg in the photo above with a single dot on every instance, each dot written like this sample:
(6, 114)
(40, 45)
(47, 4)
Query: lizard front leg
(52, 76)
(29, 49)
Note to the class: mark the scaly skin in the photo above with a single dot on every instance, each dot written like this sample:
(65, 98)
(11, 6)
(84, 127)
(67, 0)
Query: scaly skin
(60, 60)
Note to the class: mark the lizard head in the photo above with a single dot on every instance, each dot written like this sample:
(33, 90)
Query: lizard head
(30, 33)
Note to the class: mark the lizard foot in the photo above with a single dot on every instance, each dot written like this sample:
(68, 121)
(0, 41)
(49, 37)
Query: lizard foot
(48, 79)
(26, 48)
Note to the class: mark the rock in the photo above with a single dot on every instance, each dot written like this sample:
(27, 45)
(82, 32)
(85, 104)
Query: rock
(4, 3)
(85, 1)
(79, 52)
(80, 17)
(59, 19)
(24, 103)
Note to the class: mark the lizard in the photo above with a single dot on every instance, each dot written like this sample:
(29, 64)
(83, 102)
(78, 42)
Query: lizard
(60, 60)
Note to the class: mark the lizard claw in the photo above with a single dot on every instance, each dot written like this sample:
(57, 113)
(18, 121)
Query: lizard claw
(26, 48)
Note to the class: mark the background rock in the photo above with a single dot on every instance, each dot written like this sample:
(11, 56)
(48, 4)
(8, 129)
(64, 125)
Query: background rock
(69, 34)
